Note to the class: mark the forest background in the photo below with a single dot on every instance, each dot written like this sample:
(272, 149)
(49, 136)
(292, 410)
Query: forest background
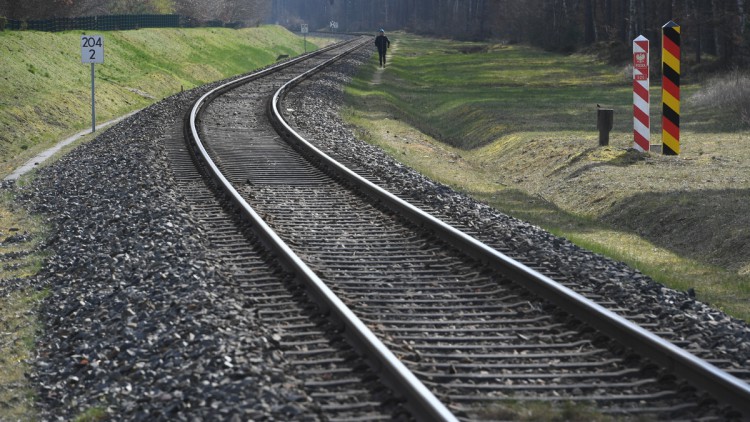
(715, 32)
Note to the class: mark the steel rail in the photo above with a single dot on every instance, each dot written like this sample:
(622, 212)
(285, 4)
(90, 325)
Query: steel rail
(419, 398)
(725, 387)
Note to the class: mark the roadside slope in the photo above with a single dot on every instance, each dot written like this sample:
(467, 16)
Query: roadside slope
(46, 90)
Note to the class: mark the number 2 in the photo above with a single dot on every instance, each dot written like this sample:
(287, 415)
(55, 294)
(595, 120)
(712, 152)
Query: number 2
(93, 54)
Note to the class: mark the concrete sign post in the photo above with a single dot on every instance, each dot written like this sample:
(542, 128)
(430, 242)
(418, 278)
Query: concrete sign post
(303, 29)
(92, 51)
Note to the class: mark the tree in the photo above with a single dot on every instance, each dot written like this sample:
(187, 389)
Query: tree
(710, 27)
(115, 7)
(252, 12)
(32, 9)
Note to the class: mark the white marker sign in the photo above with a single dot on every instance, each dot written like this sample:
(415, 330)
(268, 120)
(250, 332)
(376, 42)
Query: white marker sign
(92, 49)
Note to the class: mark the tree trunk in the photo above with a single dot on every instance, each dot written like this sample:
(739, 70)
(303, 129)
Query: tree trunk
(632, 19)
(588, 17)
(741, 14)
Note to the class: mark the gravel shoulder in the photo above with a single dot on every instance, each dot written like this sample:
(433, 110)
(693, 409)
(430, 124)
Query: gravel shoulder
(142, 320)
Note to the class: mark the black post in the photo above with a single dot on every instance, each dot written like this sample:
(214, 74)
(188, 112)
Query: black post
(604, 122)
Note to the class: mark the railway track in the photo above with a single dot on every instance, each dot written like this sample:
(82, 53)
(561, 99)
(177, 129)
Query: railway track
(472, 327)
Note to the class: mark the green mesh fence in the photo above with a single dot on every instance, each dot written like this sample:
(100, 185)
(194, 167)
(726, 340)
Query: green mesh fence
(113, 23)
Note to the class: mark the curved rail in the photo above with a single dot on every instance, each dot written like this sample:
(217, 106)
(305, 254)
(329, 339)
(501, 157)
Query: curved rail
(425, 404)
(725, 387)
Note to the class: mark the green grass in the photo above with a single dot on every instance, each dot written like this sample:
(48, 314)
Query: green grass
(516, 127)
(19, 323)
(93, 414)
(18, 328)
(46, 89)
(469, 100)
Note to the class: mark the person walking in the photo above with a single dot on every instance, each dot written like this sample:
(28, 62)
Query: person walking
(382, 43)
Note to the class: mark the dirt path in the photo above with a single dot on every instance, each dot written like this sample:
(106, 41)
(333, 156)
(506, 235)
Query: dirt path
(377, 77)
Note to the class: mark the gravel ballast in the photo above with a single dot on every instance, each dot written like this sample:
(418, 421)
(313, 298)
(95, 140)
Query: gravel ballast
(142, 320)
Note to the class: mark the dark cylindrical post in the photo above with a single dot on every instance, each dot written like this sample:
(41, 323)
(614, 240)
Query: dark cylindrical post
(604, 122)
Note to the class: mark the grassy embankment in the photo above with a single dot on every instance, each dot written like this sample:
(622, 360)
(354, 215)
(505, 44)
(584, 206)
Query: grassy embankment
(45, 97)
(516, 127)
(20, 258)
(46, 90)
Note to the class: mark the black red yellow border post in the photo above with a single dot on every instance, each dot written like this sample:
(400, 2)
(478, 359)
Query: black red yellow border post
(670, 66)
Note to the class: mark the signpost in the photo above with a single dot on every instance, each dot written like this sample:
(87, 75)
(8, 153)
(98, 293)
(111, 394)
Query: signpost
(92, 51)
(670, 92)
(641, 100)
(303, 29)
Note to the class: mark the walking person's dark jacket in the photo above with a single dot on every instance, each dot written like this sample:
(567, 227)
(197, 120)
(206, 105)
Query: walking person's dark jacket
(382, 43)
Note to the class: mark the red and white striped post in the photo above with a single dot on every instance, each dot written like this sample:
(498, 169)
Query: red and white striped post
(641, 100)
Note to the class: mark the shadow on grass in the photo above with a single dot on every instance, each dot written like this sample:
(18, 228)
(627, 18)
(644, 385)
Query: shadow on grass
(626, 159)
(709, 226)
(538, 211)
(701, 239)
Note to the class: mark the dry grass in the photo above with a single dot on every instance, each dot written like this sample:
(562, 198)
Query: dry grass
(18, 328)
(19, 258)
(728, 93)
(527, 411)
